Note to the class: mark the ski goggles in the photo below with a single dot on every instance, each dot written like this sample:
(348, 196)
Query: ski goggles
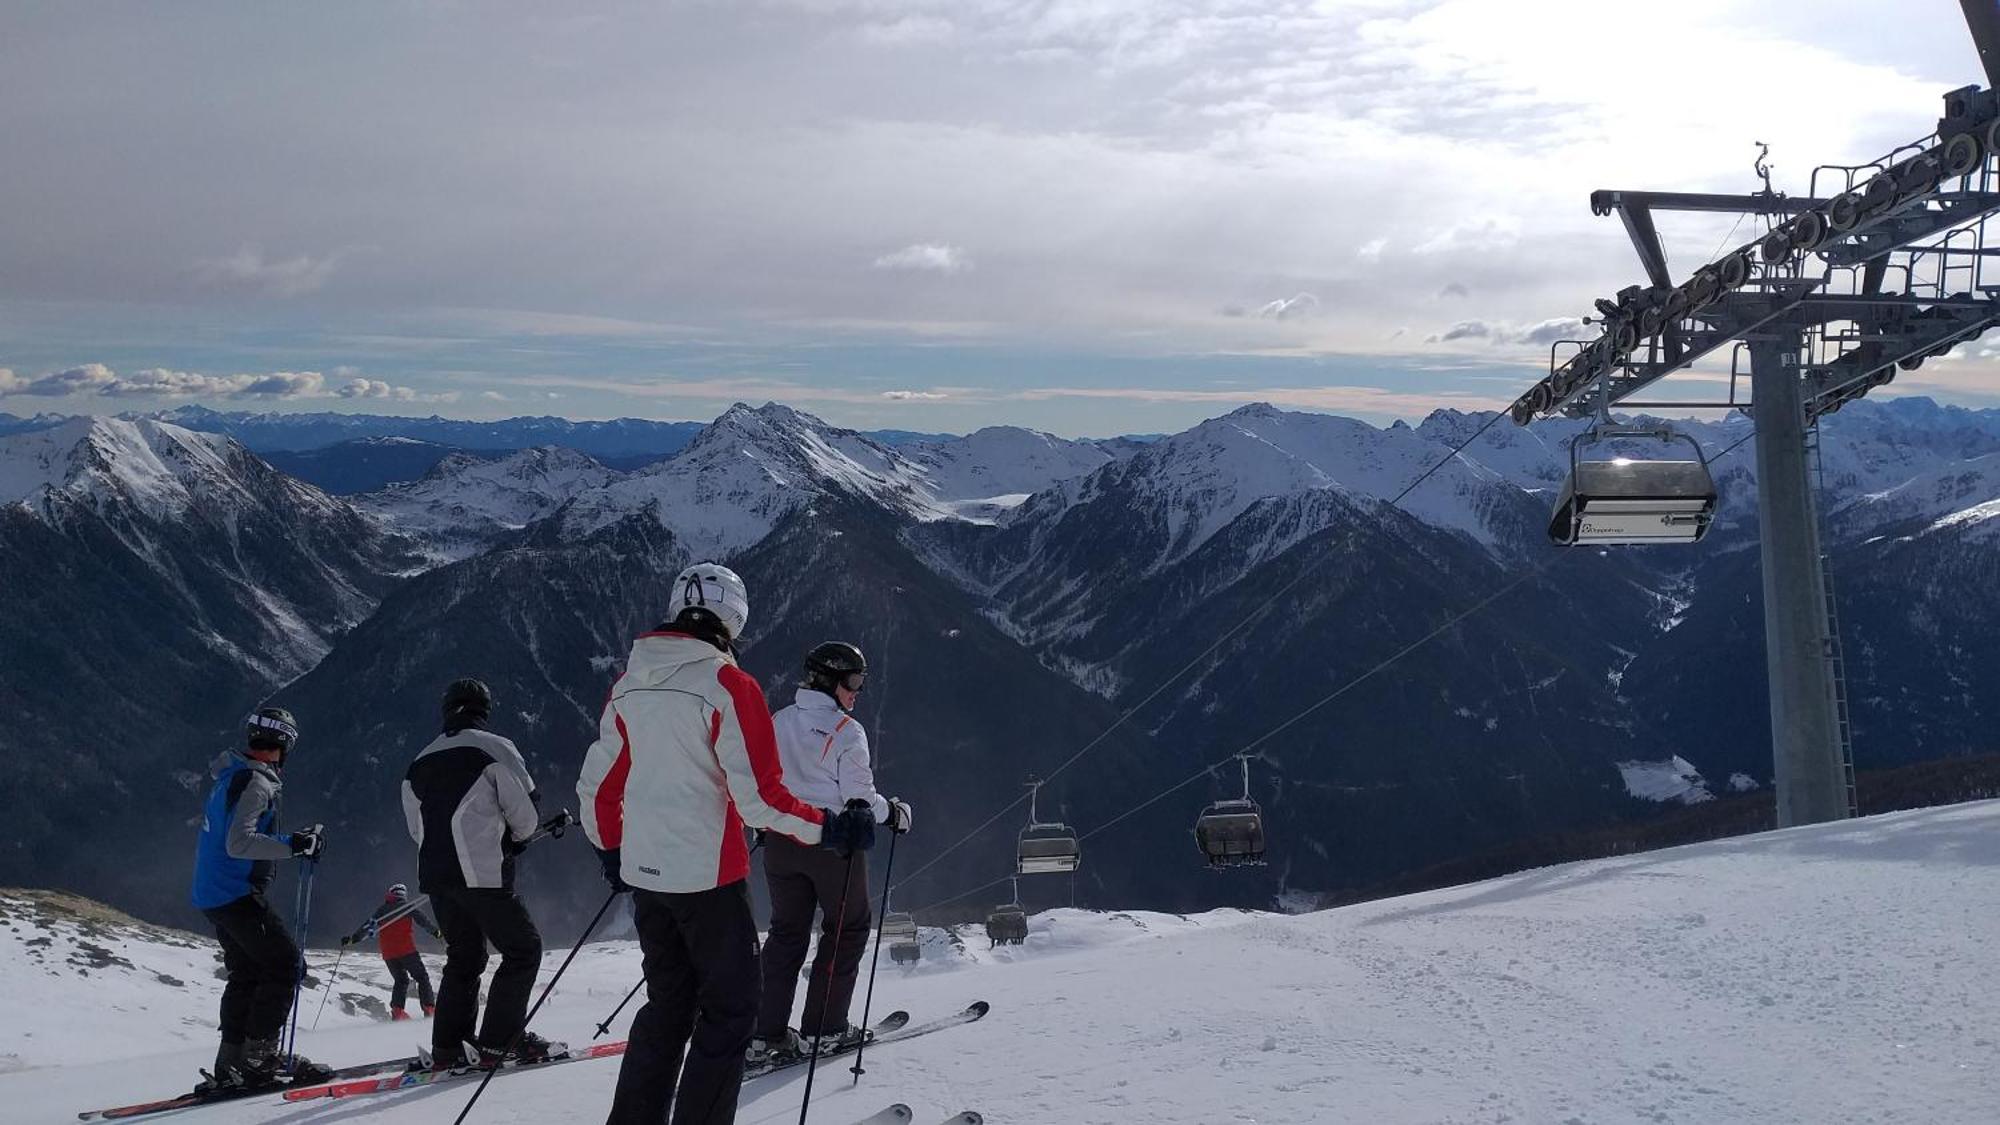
(279, 727)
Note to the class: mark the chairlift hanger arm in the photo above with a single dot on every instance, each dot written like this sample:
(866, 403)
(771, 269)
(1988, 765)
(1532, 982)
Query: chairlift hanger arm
(1982, 18)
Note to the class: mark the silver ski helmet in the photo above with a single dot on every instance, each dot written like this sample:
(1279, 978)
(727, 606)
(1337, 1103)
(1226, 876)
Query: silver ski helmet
(710, 594)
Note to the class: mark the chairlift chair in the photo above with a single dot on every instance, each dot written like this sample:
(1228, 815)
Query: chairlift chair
(1049, 848)
(899, 930)
(1632, 500)
(1008, 924)
(1231, 832)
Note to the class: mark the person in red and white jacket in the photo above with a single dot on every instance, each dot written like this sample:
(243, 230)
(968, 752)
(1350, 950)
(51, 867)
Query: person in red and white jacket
(685, 757)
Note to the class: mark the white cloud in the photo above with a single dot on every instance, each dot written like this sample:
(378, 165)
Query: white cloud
(161, 383)
(1290, 308)
(249, 270)
(933, 257)
(373, 388)
(157, 382)
(1540, 334)
(914, 396)
(83, 379)
(908, 31)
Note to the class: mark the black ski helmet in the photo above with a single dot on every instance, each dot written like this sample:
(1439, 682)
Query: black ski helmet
(271, 728)
(466, 699)
(834, 664)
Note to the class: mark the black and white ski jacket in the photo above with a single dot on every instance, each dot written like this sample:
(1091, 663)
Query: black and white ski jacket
(466, 798)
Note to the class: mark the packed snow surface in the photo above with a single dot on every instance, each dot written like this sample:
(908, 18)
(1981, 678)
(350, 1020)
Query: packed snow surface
(1834, 973)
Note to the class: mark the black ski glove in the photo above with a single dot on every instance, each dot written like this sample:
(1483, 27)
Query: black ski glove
(850, 830)
(899, 815)
(307, 843)
(608, 857)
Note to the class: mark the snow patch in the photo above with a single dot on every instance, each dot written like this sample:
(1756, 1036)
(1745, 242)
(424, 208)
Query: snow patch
(1674, 779)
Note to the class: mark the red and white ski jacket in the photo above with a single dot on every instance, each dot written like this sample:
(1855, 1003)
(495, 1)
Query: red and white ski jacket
(685, 754)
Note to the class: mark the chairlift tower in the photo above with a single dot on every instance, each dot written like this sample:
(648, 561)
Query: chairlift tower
(1879, 268)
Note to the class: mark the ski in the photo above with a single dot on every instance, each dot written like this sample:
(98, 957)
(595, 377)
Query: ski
(888, 1024)
(898, 1114)
(389, 1083)
(974, 1011)
(184, 1101)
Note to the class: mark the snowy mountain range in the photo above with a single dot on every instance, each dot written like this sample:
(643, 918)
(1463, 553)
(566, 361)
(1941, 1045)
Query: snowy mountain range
(1246, 582)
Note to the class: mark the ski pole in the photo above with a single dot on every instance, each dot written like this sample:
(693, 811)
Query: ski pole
(304, 902)
(826, 998)
(888, 873)
(604, 1028)
(332, 979)
(539, 1001)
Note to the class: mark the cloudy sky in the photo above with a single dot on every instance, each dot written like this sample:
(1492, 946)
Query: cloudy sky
(1091, 217)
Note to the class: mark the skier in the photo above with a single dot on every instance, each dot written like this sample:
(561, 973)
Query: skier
(685, 755)
(470, 805)
(824, 753)
(394, 925)
(233, 867)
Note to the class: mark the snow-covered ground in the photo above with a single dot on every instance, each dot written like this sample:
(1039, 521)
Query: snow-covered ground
(1840, 973)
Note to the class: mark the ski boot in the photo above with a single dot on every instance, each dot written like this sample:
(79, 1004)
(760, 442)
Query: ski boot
(397, 1014)
(265, 1066)
(531, 1049)
(769, 1050)
(430, 1010)
(833, 1042)
(224, 1077)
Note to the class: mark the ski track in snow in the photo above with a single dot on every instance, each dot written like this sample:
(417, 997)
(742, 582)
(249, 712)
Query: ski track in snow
(1836, 973)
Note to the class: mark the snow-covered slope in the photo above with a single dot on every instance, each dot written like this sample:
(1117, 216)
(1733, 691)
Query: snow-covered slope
(1964, 494)
(1835, 973)
(1002, 461)
(747, 470)
(464, 502)
(1195, 483)
(157, 468)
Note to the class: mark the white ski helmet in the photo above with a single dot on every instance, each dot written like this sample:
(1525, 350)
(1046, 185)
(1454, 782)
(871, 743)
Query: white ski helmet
(718, 590)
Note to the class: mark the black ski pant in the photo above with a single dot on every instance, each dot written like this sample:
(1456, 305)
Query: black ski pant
(262, 963)
(804, 880)
(402, 970)
(700, 954)
(471, 918)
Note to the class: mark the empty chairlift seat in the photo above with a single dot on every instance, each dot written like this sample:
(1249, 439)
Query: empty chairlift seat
(1047, 849)
(899, 933)
(1633, 500)
(1007, 925)
(1231, 833)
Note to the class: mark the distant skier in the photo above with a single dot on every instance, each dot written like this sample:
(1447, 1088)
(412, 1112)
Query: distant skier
(394, 925)
(824, 753)
(470, 806)
(684, 756)
(233, 868)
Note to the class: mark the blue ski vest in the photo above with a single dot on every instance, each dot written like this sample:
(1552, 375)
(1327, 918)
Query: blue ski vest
(221, 878)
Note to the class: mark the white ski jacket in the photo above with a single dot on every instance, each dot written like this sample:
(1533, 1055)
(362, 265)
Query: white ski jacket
(684, 756)
(825, 755)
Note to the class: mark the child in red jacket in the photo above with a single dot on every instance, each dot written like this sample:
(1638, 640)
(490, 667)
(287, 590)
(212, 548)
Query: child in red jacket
(394, 926)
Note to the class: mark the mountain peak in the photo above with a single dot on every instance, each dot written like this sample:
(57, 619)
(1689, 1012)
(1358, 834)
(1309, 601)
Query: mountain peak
(156, 466)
